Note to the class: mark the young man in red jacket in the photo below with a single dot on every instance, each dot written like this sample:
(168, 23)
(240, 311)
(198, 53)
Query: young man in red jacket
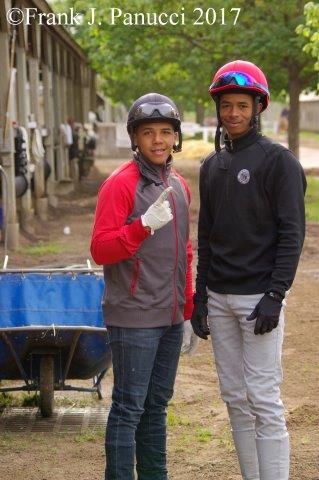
(141, 237)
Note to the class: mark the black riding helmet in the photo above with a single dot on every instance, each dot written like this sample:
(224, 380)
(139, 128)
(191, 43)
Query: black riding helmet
(154, 107)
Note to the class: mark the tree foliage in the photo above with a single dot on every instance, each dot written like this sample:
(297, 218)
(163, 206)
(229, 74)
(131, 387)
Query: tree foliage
(180, 59)
(310, 30)
(272, 42)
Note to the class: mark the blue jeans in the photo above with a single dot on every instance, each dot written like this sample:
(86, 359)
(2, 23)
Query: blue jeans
(145, 362)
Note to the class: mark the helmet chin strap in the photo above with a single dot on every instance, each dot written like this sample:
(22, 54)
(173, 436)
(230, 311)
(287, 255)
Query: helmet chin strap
(255, 119)
(219, 126)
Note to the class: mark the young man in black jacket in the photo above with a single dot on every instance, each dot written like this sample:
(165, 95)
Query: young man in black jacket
(250, 235)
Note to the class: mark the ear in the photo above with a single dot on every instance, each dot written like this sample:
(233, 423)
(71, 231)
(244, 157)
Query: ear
(259, 108)
(133, 141)
(175, 141)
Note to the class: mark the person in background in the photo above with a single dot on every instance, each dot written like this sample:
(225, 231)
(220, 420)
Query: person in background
(250, 234)
(141, 237)
(283, 123)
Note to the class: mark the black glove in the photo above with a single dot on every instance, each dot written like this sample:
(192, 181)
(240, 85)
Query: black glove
(199, 320)
(267, 312)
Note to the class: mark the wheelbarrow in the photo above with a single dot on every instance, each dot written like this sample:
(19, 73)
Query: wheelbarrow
(52, 330)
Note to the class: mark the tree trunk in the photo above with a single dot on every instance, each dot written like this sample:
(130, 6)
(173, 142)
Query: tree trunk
(294, 114)
(200, 113)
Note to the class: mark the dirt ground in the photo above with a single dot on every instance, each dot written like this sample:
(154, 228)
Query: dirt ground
(199, 442)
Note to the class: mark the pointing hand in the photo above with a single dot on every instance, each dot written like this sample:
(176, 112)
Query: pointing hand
(159, 213)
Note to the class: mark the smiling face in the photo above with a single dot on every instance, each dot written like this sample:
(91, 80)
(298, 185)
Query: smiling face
(155, 141)
(236, 111)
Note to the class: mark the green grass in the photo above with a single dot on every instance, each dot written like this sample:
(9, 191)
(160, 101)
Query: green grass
(6, 400)
(23, 399)
(41, 249)
(203, 435)
(309, 136)
(174, 420)
(29, 400)
(312, 199)
(89, 435)
(225, 439)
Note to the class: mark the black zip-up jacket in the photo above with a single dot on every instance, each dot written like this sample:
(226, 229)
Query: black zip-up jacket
(252, 218)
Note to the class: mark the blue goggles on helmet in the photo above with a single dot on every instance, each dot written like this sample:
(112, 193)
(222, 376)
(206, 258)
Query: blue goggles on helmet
(239, 79)
(164, 110)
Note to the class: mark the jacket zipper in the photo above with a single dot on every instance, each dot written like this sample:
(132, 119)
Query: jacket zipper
(174, 307)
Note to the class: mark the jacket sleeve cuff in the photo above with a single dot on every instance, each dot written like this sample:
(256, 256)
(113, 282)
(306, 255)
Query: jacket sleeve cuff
(200, 297)
(188, 309)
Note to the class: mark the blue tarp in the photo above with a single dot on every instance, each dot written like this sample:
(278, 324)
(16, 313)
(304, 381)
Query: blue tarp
(42, 299)
(47, 311)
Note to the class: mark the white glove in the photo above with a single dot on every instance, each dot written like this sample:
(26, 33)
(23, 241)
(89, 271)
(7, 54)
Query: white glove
(190, 340)
(159, 213)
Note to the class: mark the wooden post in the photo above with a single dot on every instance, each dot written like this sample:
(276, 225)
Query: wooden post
(93, 103)
(78, 93)
(63, 106)
(11, 234)
(41, 202)
(57, 110)
(47, 79)
(27, 212)
(85, 93)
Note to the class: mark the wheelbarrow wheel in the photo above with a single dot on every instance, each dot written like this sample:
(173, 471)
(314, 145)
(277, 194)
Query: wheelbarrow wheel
(46, 385)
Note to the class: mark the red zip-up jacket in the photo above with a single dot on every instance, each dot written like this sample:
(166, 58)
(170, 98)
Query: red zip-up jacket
(148, 278)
